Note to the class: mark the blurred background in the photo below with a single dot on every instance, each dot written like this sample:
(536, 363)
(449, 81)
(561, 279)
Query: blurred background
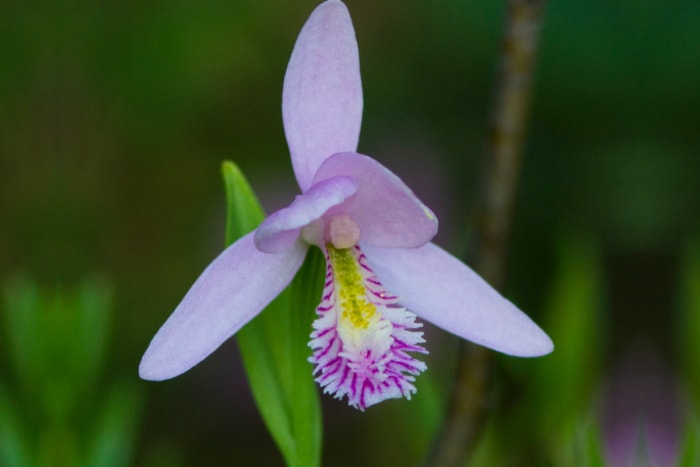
(115, 118)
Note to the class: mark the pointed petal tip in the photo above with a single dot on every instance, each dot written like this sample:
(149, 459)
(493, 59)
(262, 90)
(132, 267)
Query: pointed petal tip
(150, 371)
(538, 345)
(157, 365)
(231, 291)
(546, 349)
(333, 4)
(516, 336)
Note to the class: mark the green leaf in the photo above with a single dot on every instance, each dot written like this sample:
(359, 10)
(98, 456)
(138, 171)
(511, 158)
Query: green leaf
(112, 437)
(563, 382)
(22, 303)
(244, 212)
(690, 446)
(489, 449)
(593, 445)
(57, 340)
(689, 333)
(577, 442)
(306, 290)
(273, 346)
(689, 322)
(560, 388)
(14, 450)
(93, 303)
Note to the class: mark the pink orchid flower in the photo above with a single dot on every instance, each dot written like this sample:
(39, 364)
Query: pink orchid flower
(375, 235)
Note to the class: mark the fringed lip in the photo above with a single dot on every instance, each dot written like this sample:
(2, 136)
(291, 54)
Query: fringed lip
(362, 336)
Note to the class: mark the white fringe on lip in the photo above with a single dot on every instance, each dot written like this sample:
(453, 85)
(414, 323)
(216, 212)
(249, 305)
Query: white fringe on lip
(370, 363)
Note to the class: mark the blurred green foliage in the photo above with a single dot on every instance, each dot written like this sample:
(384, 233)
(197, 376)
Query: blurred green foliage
(115, 116)
(688, 328)
(54, 410)
(553, 421)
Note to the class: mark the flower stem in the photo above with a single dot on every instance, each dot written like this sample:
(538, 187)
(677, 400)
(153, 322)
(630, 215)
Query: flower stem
(494, 210)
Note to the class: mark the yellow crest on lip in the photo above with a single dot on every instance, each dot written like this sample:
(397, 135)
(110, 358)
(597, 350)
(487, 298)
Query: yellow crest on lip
(358, 311)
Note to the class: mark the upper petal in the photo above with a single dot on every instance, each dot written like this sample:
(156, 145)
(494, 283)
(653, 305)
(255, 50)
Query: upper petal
(322, 95)
(234, 288)
(281, 229)
(441, 289)
(387, 211)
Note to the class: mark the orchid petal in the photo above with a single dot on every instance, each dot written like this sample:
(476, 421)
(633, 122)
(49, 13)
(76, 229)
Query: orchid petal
(280, 231)
(387, 211)
(322, 95)
(441, 289)
(231, 291)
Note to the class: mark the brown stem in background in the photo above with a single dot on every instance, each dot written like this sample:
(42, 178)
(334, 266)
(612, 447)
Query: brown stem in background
(493, 219)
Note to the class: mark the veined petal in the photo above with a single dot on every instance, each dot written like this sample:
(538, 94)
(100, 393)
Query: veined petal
(234, 288)
(441, 289)
(322, 95)
(280, 231)
(362, 336)
(387, 211)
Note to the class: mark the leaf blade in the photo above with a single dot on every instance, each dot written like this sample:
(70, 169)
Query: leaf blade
(273, 345)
